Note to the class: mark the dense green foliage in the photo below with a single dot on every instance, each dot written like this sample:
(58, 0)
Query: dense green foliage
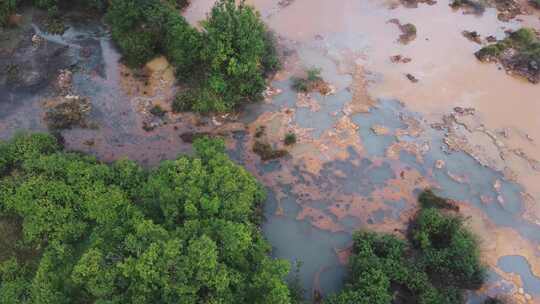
(224, 65)
(438, 263)
(309, 82)
(87, 232)
(524, 41)
(6, 9)
(290, 139)
(235, 43)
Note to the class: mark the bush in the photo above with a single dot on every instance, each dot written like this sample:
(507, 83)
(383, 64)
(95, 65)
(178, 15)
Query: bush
(120, 234)
(290, 139)
(158, 111)
(182, 44)
(309, 82)
(136, 28)
(439, 262)
(236, 53)
(224, 66)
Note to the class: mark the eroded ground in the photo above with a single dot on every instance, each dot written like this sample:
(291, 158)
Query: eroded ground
(363, 152)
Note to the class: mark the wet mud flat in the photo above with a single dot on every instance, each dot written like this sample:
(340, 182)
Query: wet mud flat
(362, 154)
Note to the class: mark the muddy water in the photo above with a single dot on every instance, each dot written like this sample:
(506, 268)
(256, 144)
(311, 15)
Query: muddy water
(363, 152)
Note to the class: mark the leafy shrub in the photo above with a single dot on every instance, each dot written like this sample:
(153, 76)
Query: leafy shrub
(198, 100)
(439, 262)
(135, 27)
(309, 82)
(158, 111)
(182, 44)
(290, 139)
(120, 234)
(235, 43)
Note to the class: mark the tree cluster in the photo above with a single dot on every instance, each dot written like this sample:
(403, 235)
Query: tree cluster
(224, 65)
(86, 232)
(436, 265)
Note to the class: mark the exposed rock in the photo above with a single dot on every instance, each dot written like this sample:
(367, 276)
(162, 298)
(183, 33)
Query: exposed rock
(400, 59)
(414, 3)
(63, 81)
(491, 39)
(411, 78)
(464, 111)
(285, 3)
(439, 164)
(270, 92)
(472, 36)
(380, 130)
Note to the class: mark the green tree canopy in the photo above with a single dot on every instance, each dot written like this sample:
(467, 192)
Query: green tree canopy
(440, 261)
(88, 232)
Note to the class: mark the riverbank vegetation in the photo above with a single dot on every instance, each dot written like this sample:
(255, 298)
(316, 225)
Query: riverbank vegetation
(81, 231)
(220, 67)
(519, 52)
(435, 265)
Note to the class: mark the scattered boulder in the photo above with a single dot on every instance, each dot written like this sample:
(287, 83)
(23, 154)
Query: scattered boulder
(64, 79)
(411, 78)
(414, 3)
(491, 39)
(380, 130)
(400, 59)
(285, 3)
(472, 36)
(464, 111)
(439, 164)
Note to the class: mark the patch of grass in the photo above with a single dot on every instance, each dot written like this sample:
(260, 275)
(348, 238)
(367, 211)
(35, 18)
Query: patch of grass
(489, 51)
(267, 152)
(309, 82)
(535, 3)
(290, 139)
(158, 111)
